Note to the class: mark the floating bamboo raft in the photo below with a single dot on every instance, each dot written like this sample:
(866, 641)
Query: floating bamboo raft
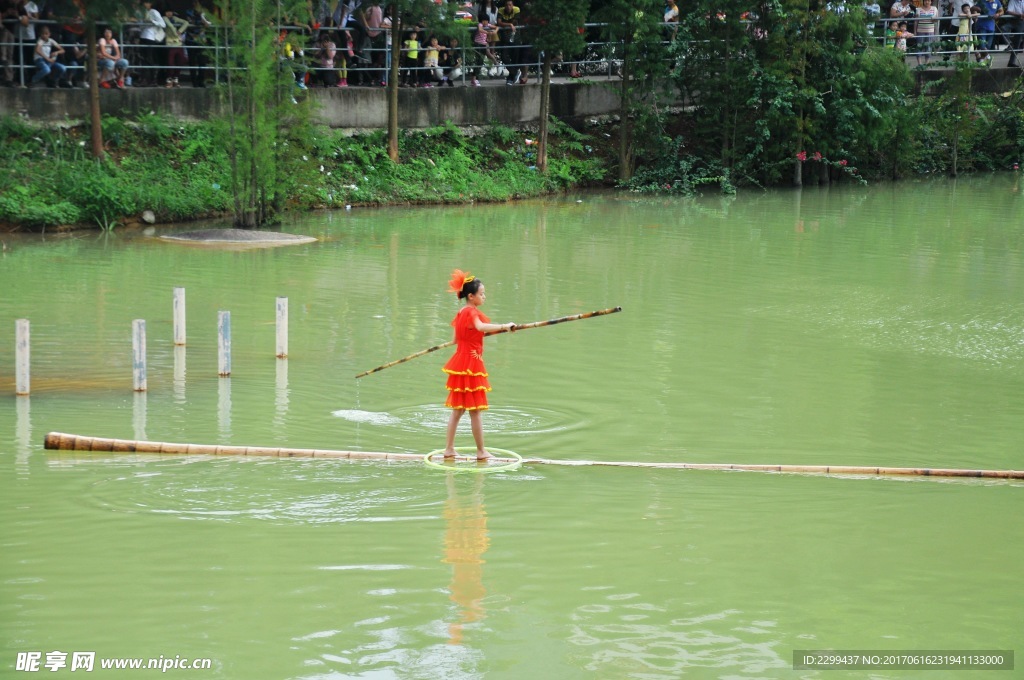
(71, 442)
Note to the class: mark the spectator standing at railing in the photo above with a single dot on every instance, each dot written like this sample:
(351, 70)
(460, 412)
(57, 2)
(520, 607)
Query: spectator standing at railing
(985, 27)
(451, 62)
(322, 14)
(345, 57)
(902, 34)
(431, 58)
(482, 46)
(346, 18)
(926, 29)
(410, 60)
(152, 38)
(901, 10)
(113, 65)
(28, 14)
(175, 47)
(511, 42)
(371, 16)
(326, 51)
(197, 42)
(290, 58)
(489, 8)
(951, 9)
(965, 36)
(873, 12)
(1014, 27)
(8, 26)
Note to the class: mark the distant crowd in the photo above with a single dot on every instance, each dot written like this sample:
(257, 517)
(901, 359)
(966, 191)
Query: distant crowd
(340, 43)
(979, 27)
(349, 42)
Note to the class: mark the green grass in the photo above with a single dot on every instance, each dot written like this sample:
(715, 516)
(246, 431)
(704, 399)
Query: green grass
(178, 171)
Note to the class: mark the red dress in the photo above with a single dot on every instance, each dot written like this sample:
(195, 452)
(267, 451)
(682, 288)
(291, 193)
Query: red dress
(467, 375)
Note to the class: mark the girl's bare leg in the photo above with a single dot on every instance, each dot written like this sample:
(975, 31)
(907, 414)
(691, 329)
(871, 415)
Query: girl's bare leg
(476, 422)
(453, 425)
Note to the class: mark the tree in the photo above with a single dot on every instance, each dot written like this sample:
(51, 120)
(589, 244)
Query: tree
(264, 121)
(93, 12)
(555, 29)
(786, 87)
(634, 29)
(409, 13)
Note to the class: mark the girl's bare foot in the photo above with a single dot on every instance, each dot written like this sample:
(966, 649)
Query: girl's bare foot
(449, 455)
(483, 455)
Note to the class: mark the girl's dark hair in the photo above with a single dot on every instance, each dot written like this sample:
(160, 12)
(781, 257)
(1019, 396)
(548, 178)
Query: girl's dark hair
(470, 288)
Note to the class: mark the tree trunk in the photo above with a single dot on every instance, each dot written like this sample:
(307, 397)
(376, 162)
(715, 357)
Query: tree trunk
(96, 132)
(545, 105)
(396, 53)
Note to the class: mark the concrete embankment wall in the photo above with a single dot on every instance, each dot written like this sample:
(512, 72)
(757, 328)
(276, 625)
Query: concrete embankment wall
(340, 108)
(359, 107)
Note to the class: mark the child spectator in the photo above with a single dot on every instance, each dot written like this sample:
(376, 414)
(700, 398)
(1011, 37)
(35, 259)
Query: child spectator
(344, 57)
(410, 58)
(451, 62)
(290, 57)
(431, 59)
(326, 51)
(175, 47)
(483, 40)
(113, 65)
(47, 52)
(964, 37)
(901, 36)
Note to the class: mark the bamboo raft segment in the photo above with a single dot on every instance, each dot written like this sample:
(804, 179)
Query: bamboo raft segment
(70, 442)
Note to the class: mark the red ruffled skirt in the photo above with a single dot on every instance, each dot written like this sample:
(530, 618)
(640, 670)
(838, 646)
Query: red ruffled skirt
(467, 382)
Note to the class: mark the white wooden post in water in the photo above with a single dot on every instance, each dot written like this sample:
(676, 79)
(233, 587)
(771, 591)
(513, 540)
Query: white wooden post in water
(179, 374)
(21, 362)
(139, 355)
(223, 344)
(282, 327)
(179, 316)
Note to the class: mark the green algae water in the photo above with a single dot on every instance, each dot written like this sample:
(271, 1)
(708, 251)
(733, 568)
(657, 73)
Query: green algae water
(878, 326)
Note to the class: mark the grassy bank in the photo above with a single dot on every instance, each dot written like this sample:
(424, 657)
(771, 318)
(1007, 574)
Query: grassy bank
(180, 171)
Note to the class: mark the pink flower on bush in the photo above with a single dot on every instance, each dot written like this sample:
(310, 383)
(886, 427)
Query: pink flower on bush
(817, 155)
(843, 162)
(801, 155)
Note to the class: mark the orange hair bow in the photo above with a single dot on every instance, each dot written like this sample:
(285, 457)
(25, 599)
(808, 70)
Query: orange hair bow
(458, 280)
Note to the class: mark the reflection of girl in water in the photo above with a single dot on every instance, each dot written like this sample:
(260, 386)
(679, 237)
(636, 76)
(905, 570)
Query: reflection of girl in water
(465, 542)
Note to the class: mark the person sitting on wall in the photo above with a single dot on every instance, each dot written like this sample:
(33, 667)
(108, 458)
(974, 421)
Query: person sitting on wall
(113, 65)
(47, 54)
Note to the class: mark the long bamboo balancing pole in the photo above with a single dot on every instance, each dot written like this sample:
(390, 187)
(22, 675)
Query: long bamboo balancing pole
(71, 442)
(516, 329)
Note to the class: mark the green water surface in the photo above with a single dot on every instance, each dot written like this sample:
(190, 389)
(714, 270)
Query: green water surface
(879, 326)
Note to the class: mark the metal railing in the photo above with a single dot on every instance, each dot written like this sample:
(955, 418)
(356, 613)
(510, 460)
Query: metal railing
(207, 59)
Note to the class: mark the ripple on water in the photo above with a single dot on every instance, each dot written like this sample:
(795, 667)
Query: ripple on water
(283, 492)
(371, 417)
(501, 419)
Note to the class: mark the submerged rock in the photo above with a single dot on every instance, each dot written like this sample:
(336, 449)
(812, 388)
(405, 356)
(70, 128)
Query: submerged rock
(245, 237)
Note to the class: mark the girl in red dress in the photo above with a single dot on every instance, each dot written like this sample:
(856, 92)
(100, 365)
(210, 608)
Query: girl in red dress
(467, 375)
